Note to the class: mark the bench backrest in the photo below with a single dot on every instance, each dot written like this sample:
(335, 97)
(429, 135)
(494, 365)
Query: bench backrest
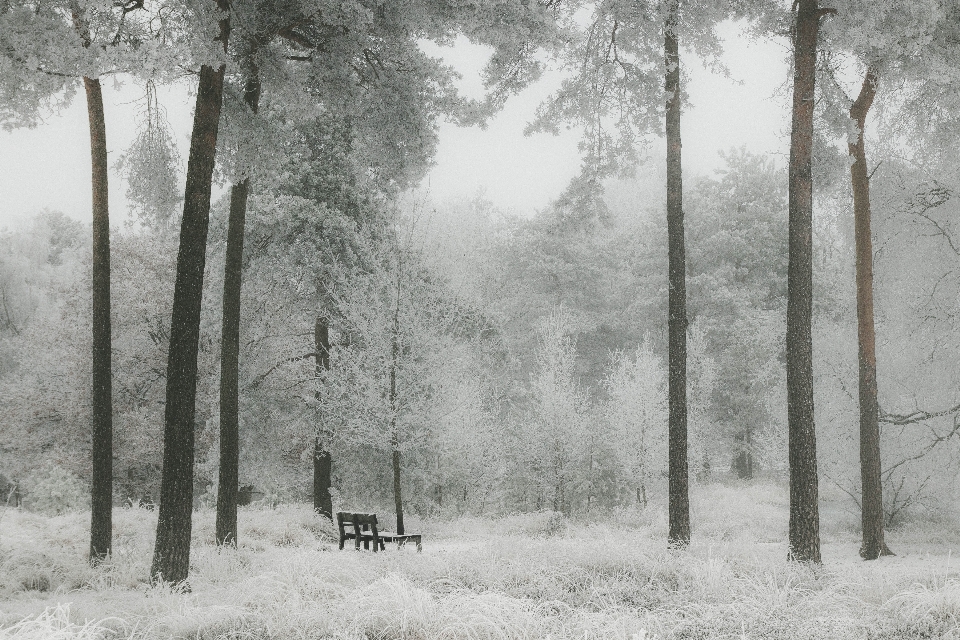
(365, 523)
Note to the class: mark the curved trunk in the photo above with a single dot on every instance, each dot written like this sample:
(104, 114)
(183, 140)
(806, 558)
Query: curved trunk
(171, 553)
(804, 509)
(229, 475)
(874, 545)
(101, 494)
(679, 530)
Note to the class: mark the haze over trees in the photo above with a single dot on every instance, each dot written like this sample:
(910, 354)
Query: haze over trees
(326, 333)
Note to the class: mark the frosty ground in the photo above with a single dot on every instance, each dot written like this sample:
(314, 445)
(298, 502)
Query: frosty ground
(525, 576)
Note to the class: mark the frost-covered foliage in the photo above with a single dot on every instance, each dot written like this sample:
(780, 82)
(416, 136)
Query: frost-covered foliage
(151, 166)
(559, 444)
(637, 410)
(55, 491)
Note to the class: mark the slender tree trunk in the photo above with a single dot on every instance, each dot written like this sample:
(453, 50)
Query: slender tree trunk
(322, 461)
(171, 554)
(590, 472)
(804, 508)
(394, 427)
(229, 478)
(101, 494)
(874, 545)
(397, 497)
(101, 485)
(679, 509)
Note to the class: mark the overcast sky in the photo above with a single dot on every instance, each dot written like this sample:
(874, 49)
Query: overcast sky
(49, 167)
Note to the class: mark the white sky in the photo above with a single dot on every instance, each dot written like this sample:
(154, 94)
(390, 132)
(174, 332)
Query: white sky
(49, 167)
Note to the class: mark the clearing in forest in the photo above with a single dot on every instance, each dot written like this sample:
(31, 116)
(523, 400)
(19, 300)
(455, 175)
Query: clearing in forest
(525, 576)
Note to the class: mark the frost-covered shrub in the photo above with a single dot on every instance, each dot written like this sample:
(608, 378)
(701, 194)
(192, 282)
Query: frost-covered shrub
(55, 490)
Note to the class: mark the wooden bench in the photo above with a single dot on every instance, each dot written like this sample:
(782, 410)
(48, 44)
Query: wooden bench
(362, 527)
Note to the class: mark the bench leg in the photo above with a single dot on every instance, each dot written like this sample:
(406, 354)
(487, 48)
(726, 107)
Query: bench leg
(416, 539)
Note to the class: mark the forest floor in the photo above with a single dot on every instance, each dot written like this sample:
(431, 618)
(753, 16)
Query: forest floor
(525, 576)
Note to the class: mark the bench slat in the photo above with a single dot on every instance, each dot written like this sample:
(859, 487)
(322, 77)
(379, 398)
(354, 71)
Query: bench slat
(362, 527)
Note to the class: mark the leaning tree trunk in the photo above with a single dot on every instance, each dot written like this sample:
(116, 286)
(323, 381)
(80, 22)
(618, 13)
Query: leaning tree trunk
(322, 462)
(679, 509)
(101, 494)
(804, 510)
(229, 477)
(171, 553)
(874, 545)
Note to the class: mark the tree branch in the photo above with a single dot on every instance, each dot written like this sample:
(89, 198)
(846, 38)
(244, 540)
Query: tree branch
(916, 416)
(263, 376)
(6, 310)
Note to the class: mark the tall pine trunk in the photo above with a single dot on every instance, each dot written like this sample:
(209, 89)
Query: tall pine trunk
(229, 477)
(171, 554)
(679, 509)
(101, 493)
(804, 509)
(394, 427)
(874, 545)
(101, 484)
(322, 462)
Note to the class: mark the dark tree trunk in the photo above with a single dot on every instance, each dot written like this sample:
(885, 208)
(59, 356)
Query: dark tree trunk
(397, 497)
(171, 554)
(101, 494)
(394, 427)
(743, 461)
(874, 545)
(804, 509)
(322, 461)
(101, 485)
(679, 533)
(229, 478)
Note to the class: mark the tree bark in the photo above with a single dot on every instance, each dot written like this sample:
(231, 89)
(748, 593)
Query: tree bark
(874, 545)
(101, 494)
(679, 508)
(322, 461)
(229, 475)
(171, 554)
(394, 427)
(804, 510)
(101, 484)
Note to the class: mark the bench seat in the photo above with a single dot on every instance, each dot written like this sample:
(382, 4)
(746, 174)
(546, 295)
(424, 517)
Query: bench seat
(362, 527)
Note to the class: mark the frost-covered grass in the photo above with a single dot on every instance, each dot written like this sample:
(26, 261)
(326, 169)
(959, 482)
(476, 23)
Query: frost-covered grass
(524, 576)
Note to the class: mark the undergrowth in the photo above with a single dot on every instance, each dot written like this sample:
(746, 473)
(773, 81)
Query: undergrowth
(523, 576)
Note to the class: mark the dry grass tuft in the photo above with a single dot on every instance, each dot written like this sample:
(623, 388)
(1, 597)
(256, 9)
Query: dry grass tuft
(55, 624)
